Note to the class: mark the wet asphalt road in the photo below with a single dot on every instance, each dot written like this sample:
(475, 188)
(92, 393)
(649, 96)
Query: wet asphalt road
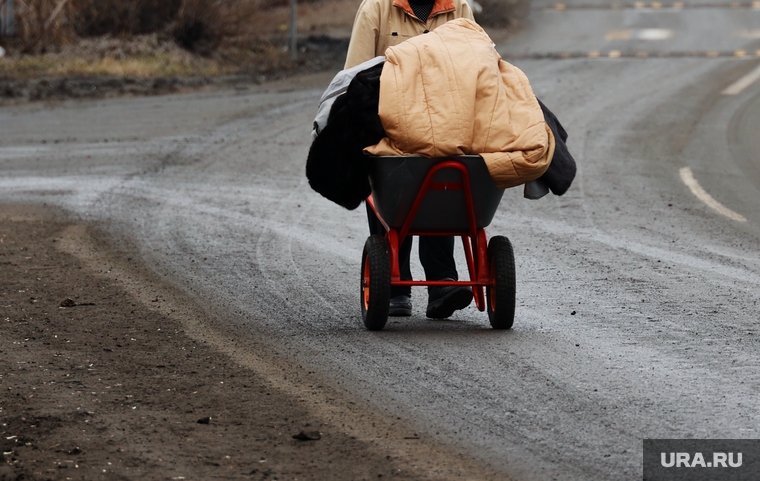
(637, 301)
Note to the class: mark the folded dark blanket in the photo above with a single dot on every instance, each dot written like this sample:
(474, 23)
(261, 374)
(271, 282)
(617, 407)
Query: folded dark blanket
(562, 169)
(336, 166)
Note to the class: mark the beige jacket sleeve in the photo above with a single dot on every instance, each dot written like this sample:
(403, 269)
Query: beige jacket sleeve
(466, 11)
(364, 34)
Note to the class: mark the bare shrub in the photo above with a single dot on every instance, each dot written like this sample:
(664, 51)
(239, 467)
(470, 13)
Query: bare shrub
(502, 13)
(198, 25)
(42, 24)
(201, 25)
(283, 3)
(118, 17)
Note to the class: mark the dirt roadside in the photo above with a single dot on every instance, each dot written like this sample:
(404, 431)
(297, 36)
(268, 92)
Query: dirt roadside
(107, 373)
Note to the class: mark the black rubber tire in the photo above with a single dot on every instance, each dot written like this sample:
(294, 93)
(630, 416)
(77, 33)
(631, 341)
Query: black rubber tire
(501, 297)
(375, 293)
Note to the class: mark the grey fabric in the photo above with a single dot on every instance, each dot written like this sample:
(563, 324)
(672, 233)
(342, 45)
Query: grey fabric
(535, 190)
(336, 165)
(337, 87)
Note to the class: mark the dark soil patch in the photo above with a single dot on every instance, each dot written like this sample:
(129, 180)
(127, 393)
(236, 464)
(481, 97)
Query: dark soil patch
(110, 389)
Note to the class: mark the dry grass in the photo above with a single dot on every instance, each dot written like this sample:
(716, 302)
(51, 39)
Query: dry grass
(146, 56)
(107, 37)
(139, 56)
(150, 66)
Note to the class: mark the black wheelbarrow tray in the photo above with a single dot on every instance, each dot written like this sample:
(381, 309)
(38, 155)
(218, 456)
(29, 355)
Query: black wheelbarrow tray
(448, 196)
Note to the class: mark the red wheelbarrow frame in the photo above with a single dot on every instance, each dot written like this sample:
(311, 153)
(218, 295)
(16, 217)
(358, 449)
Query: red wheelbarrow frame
(474, 239)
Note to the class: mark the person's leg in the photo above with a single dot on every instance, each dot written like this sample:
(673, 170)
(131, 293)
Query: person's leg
(404, 253)
(437, 257)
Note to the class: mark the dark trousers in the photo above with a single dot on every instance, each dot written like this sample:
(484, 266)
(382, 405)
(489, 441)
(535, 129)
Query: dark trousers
(436, 256)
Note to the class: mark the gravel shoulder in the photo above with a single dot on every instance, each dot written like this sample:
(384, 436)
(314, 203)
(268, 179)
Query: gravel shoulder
(106, 371)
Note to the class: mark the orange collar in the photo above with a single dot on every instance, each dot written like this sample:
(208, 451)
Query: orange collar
(441, 6)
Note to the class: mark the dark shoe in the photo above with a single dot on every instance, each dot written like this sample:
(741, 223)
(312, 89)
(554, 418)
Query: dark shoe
(443, 301)
(400, 306)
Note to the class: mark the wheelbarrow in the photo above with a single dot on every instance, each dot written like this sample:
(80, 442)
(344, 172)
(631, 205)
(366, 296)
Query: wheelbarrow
(449, 196)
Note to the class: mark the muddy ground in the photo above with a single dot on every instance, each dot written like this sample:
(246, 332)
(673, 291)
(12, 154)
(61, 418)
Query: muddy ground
(107, 373)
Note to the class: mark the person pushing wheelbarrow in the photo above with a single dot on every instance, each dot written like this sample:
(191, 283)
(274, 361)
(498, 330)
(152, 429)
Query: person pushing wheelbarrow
(380, 24)
(430, 133)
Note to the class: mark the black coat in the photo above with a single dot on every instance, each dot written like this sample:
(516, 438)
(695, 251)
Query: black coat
(336, 166)
(562, 168)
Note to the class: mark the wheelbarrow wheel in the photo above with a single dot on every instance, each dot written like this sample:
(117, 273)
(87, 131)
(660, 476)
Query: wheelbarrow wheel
(376, 282)
(501, 296)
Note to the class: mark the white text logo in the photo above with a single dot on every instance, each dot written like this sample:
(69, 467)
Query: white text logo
(685, 460)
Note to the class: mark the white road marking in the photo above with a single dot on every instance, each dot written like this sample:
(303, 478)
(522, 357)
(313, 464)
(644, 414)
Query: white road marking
(687, 176)
(744, 82)
(654, 34)
(651, 34)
